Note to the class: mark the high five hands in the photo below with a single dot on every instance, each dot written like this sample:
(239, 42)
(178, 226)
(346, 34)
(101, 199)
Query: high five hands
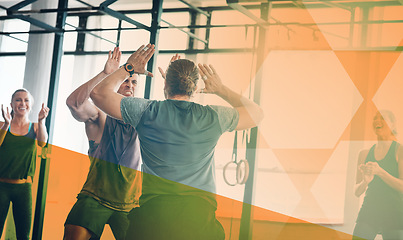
(112, 64)
(140, 58)
(212, 82)
(174, 58)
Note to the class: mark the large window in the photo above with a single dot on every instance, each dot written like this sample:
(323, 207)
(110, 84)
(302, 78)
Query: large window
(12, 67)
(324, 70)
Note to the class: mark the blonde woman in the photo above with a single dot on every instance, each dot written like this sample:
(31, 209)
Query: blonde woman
(18, 140)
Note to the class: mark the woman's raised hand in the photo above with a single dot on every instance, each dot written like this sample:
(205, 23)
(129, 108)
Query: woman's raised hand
(43, 113)
(6, 115)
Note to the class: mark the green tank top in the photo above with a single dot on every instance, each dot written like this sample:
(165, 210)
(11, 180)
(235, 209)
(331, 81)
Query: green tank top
(18, 155)
(113, 179)
(382, 204)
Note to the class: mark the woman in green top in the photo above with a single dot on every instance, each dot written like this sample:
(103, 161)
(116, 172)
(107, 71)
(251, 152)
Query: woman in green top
(18, 140)
(380, 176)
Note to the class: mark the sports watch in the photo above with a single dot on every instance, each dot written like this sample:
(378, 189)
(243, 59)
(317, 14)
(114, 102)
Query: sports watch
(129, 68)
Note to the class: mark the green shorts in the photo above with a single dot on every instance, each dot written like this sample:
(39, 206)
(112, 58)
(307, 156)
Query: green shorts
(90, 214)
(175, 218)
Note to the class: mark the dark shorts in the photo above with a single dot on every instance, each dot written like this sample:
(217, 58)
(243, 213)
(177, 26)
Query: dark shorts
(90, 214)
(175, 218)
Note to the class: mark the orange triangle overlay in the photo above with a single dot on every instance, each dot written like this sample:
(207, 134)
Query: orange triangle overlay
(294, 36)
(227, 207)
(367, 70)
(298, 159)
(303, 36)
(360, 126)
(300, 37)
(401, 43)
(304, 160)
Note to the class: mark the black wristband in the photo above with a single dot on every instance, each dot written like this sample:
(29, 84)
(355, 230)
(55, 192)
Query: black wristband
(129, 68)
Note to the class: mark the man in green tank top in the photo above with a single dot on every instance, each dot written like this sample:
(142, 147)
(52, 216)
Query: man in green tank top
(113, 184)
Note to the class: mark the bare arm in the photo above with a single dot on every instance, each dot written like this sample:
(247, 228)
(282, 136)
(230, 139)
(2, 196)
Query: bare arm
(104, 94)
(5, 124)
(250, 114)
(3, 131)
(81, 108)
(362, 179)
(396, 183)
(40, 128)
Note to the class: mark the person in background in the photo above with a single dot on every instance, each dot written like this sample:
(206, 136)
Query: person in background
(178, 139)
(19, 138)
(380, 176)
(113, 183)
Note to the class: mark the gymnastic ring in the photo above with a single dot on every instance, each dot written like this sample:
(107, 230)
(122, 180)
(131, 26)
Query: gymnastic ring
(225, 178)
(242, 177)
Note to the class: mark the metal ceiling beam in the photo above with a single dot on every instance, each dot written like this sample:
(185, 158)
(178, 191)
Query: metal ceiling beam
(37, 23)
(92, 34)
(84, 3)
(106, 3)
(337, 5)
(200, 51)
(196, 8)
(192, 35)
(281, 23)
(56, 10)
(11, 10)
(20, 5)
(298, 4)
(18, 39)
(275, 5)
(105, 9)
(247, 13)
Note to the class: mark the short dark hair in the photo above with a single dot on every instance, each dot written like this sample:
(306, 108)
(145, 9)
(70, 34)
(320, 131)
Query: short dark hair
(181, 78)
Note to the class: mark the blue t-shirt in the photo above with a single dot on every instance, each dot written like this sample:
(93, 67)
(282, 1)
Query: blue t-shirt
(177, 141)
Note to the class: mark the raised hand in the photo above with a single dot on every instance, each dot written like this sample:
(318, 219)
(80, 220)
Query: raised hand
(43, 113)
(140, 58)
(174, 58)
(112, 64)
(212, 82)
(6, 115)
